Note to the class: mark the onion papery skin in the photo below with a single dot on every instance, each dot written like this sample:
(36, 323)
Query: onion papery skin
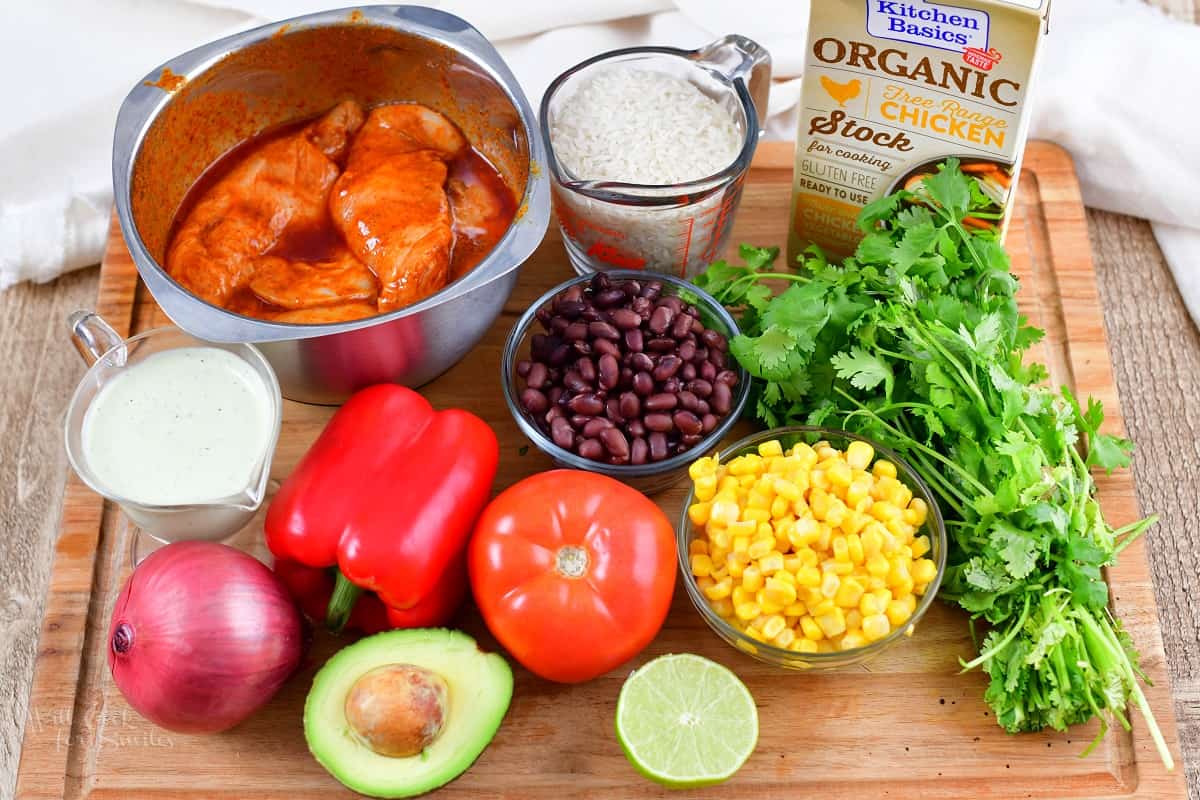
(202, 636)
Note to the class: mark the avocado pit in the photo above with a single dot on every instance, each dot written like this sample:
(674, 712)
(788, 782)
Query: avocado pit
(397, 710)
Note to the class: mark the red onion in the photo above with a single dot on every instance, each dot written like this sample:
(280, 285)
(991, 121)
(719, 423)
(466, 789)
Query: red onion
(202, 636)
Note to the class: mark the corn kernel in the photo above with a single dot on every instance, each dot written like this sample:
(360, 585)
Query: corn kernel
(804, 532)
(740, 595)
(720, 589)
(702, 565)
(824, 536)
(868, 604)
(923, 570)
(837, 513)
(808, 557)
(773, 626)
(756, 635)
(723, 607)
(920, 546)
(697, 546)
(792, 562)
(898, 613)
(839, 474)
(756, 515)
(875, 627)
(771, 563)
(822, 606)
(808, 576)
(832, 623)
(920, 509)
(698, 513)
(724, 512)
(818, 501)
(765, 605)
(779, 507)
(785, 576)
(788, 490)
(779, 592)
(829, 585)
(841, 550)
(756, 499)
(878, 565)
(720, 537)
(735, 564)
(854, 620)
(741, 545)
(849, 592)
(706, 488)
(752, 579)
(771, 448)
(747, 611)
(702, 467)
(883, 597)
(852, 641)
(884, 469)
(811, 629)
(857, 492)
(854, 521)
(796, 609)
(804, 645)
(859, 454)
(854, 548)
(784, 638)
(760, 547)
(884, 511)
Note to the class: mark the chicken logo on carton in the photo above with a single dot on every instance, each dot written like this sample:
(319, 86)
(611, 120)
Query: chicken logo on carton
(894, 87)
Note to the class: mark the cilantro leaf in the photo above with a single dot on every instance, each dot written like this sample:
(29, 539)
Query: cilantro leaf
(864, 370)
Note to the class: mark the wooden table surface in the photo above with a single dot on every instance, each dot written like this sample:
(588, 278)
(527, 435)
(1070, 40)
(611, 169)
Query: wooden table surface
(1155, 354)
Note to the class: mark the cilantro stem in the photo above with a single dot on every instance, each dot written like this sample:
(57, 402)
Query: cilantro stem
(1128, 534)
(1004, 642)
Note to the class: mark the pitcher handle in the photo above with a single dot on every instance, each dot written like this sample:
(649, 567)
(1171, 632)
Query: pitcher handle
(737, 57)
(93, 337)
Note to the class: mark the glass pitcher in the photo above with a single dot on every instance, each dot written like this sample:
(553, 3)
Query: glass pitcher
(107, 354)
(675, 228)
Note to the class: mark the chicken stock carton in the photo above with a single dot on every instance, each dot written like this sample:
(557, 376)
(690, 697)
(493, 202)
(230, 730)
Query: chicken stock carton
(894, 87)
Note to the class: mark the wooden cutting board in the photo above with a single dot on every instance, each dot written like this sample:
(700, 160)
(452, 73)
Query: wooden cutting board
(907, 725)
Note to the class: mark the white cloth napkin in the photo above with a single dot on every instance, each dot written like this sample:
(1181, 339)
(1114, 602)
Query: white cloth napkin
(1113, 89)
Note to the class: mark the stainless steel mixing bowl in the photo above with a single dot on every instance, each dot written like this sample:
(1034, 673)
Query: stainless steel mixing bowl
(186, 113)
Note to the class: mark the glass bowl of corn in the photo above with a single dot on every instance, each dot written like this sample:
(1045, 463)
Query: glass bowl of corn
(810, 548)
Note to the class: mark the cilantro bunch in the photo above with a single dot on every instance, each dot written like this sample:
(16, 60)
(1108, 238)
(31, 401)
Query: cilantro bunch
(916, 342)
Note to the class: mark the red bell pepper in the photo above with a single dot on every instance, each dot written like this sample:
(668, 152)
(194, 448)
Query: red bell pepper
(384, 502)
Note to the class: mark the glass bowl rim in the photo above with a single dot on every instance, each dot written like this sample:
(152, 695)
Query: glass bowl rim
(766, 651)
(509, 359)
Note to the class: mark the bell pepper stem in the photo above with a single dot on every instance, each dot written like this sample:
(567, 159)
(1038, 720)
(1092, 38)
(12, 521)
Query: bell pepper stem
(341, 603)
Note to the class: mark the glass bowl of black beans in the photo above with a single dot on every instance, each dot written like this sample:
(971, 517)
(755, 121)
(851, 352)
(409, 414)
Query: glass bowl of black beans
(625, 373)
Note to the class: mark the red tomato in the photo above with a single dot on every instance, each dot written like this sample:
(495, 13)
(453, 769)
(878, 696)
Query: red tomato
(573, 572)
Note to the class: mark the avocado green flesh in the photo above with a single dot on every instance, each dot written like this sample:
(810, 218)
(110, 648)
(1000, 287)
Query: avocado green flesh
(480, 688)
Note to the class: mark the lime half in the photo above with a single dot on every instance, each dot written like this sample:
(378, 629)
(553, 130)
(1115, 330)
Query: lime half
(685, 721)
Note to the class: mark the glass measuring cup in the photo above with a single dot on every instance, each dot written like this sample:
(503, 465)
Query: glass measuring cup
(107, 355)
(674, 228)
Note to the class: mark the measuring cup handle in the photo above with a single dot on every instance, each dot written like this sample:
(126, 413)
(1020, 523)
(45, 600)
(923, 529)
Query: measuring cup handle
(739, 57)
(93, 337)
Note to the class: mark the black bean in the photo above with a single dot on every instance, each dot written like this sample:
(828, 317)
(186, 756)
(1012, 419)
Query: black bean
(591, 449)
(708, 422)
(642, 307)
(634, 341)
(687, 422)
(707, 371)
(727, 377)
(688, 400)
(575, 382)
(629, 404)
(571, 309)
(658, 446)
(626, 379)
(687, 350)
(641, 362)
(612, 409)
(659, 422)
(589, 403)
(714, 339)
(667, 367)
(700, 387)
(643, 384)
(682, 326)
(660, 345)
(626, 318)
(635, 427)
(673, 303)
(688, 372)
(660, 320)
(576, 331)
(671, 385)
(523, 368)
(599, 282)
(534, 401)
(652, 290)
(593, 427)
(609, 371)
(661, 402)
(561, 433)
(615, 443)
(722, 399)
(602, 346)
(609, 298)
(638, 450)
(536, 379)
(559, 356)
(586, 369)
(603, 330)
(632, 288)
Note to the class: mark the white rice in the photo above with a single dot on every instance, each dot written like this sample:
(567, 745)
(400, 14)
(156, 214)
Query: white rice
(642, 127)
(637, 126)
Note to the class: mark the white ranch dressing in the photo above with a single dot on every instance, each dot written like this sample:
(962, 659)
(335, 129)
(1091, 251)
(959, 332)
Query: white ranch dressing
(186, 425)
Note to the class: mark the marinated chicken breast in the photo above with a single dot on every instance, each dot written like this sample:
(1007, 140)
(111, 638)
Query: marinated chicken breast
(299, 284)
(390, 203)
(285, 183)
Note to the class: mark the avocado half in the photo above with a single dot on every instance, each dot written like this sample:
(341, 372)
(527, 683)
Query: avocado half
(473, 694)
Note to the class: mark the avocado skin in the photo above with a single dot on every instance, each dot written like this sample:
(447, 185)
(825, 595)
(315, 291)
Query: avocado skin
(480, 689)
